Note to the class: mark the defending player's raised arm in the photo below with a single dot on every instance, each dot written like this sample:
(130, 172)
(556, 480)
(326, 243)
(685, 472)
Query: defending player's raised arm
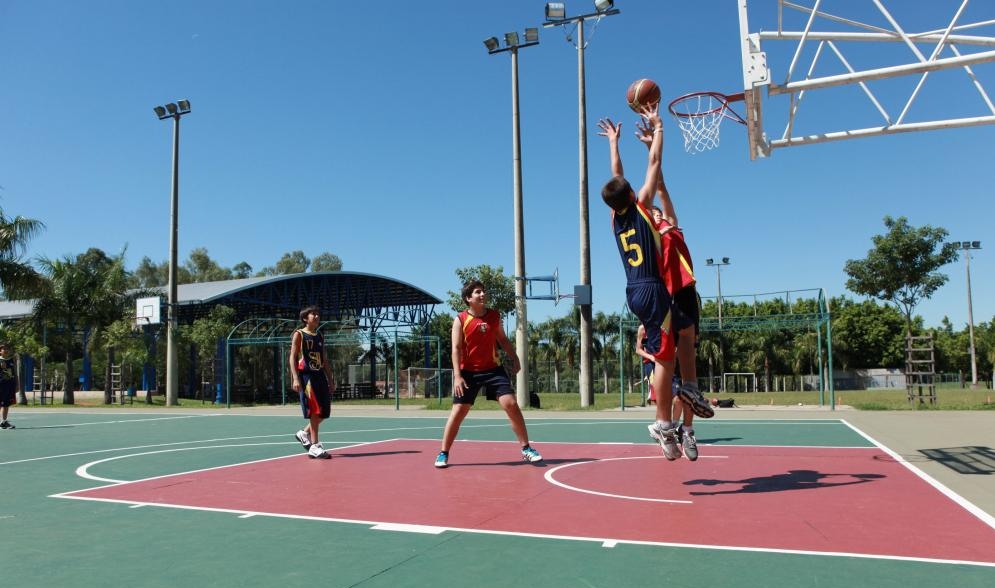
(653, 165)
(612, 130)
(644, 132)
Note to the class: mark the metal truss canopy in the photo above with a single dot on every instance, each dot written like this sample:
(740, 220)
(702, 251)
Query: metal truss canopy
(369, 300)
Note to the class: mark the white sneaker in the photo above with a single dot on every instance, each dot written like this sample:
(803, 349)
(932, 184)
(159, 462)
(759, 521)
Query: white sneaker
(304, 438)
(316, 451)
(667, 438)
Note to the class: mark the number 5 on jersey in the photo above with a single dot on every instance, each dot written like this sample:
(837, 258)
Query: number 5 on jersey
(637, 252)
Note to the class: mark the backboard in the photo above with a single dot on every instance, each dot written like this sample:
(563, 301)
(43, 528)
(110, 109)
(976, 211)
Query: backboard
(819, 46)
(147, 311)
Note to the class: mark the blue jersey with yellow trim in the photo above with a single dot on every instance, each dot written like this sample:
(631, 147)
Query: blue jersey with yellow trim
(638, 243)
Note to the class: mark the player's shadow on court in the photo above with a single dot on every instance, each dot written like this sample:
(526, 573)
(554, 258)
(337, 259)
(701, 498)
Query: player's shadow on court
(792, 480)
(714, 440)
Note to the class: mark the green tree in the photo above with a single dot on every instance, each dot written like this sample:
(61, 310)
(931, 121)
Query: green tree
(148, 274)
(500, 288)
(867, 335)
(82, 291)
(326, 262)
(294, 262)
(17, 278)
(241, 270)
(23, 340)
(205, 333)
(903, 267)
(605, 340)
(204, 269)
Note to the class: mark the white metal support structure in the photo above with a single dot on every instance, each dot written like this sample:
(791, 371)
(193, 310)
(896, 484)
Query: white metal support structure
(947, 47)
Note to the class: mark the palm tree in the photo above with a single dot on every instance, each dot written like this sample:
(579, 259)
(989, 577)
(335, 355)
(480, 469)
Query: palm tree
(606, 337)
(554, 346)
(17, 279)
(83, 291)
(710, 351)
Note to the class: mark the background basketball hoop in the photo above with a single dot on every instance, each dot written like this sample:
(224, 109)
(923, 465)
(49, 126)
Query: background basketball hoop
(700, 115)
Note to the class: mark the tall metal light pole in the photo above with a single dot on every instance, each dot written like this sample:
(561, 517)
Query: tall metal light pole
(512, 45)
(718, 280)
(967, 246)
(173, 110)
(556, 16)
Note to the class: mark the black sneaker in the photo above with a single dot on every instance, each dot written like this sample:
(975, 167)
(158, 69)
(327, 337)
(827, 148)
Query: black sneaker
(6, 425)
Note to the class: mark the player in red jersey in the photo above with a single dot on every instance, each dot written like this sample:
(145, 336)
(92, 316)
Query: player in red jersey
(476, 335)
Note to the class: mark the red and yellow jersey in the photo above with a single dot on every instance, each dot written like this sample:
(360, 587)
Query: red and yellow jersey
(480, 340)
(675, 259)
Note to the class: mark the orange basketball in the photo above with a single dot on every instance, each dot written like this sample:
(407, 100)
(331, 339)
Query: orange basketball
(642, 93)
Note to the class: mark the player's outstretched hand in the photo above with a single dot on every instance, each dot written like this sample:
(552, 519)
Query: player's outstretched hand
(651, 114)
(644, 131)
(609, 129)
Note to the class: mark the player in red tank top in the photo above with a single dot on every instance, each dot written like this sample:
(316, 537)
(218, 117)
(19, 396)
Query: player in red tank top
(476, 334)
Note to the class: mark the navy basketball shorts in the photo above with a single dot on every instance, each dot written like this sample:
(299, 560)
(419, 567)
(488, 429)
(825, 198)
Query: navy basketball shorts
(494, 382)
(650, 302)
(8, 395)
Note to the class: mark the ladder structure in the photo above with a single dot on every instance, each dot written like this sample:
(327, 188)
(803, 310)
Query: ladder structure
(38, 388)
(116, 387)
(920, 369)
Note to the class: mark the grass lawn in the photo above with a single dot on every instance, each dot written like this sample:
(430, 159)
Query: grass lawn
(948, 398)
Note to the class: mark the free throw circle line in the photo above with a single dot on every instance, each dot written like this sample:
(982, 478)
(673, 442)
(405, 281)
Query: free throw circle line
(549, 478)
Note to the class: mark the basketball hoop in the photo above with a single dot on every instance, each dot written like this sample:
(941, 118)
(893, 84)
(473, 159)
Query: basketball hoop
(700, 114)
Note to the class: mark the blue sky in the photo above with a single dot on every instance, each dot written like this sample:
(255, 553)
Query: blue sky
(381, 132)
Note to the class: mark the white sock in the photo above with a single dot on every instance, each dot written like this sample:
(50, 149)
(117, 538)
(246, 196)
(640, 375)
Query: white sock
(665, 424)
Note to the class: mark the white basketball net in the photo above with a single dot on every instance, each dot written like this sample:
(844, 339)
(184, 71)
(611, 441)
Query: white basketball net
(700, 116)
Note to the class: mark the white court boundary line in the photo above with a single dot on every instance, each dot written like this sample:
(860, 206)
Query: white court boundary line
(605, 542)
(549, 475)
(958, 499)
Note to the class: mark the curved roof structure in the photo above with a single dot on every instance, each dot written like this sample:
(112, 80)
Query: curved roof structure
(369, 299)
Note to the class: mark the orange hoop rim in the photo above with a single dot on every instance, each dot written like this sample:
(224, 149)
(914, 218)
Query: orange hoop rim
(723, 108)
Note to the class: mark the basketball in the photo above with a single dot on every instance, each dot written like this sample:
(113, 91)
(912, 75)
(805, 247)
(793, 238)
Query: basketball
(642, 93)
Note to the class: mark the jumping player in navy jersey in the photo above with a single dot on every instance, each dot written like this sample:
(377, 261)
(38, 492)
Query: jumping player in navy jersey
(639, 247)
(312, 379)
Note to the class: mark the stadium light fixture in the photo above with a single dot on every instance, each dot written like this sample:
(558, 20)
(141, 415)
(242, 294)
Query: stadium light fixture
(555, 10)
(718, 281)
(492, 44)
(511, 39)
(603, 5)
(532, 35)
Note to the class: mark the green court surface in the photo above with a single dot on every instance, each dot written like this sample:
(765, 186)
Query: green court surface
(53, 542)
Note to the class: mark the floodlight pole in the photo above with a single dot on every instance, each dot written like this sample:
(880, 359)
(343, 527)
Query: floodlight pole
(718, 281)
(172, 364)
(585, 382)
(967, 246)
(521, 318)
